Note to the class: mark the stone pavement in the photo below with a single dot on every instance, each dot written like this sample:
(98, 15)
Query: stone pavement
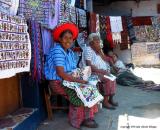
(132, 101)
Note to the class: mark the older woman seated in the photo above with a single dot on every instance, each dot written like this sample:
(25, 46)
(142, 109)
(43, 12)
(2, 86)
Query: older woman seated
(95, 58)
(59, 63)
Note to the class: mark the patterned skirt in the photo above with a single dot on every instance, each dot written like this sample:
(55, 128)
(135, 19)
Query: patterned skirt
(107, 88)
(77, 114)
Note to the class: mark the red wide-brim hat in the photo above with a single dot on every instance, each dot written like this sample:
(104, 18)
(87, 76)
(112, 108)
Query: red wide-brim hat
(65, 26)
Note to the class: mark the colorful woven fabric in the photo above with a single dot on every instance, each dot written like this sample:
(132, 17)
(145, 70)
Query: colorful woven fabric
(37, 60)
(15, 47)
(47, 39)
(9, 7)
(109, 33)
(82, 18)
(146, 34)
(41, 11)
(156, 24)
(152, 34)
(88, 94)
(73, 15)
(131, 30)
(73, 98)
(102, 24)
(124, 35)
(156, 21)
(92, 22)
(82, 37)
(64, 12)
(140, 33)
(78, 114)
(97, 24)
(79, 4)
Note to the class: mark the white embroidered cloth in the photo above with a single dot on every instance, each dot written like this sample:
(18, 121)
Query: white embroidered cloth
(88, 94)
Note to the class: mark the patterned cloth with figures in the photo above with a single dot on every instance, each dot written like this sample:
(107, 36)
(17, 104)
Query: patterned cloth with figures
(43, 11)
(15, 47)
(87, 93)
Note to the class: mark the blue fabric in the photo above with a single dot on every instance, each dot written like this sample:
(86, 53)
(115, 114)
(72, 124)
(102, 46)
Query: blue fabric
(58, 57)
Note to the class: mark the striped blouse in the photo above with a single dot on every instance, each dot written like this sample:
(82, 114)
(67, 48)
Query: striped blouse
(58, 57)
(95, 59)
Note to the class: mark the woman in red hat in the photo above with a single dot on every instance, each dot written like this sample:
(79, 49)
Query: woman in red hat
(59, 63)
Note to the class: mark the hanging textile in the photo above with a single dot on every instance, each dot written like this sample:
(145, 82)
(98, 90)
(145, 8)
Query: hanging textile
(72, 3)
(102, 24)
(140, 33)
(131, 31)
(155, 21)
(92, 22)
(37, 60)
(79, 4)
(116, 24)
(116, 36)
(41, 11)
(82, 4)
(97, 24)
(152, 34)
(156, 25)
(82, 18)
(53, 22)
(82, 37)
(124, 35)
(47, 40)
(116, 28)
(73, 15)
(109, 33)
(9, 7)
(141, 21)
(15, 47)
(64, 12)
(146, 34)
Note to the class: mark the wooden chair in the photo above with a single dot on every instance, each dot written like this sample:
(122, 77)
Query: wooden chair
(49, 105)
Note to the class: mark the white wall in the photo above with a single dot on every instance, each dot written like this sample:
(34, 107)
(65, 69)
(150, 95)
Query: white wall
(124, 55)
(144, 8)
(123, 8)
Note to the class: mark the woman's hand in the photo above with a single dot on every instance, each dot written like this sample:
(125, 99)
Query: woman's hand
(84, 82)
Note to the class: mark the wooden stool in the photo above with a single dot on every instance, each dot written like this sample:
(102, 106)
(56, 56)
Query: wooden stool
(57, 106)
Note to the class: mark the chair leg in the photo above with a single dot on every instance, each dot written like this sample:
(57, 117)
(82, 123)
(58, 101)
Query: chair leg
(48, 105)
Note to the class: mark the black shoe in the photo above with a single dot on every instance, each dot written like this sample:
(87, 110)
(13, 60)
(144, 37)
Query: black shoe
(90, 123)
(114, 103)
(109, 107)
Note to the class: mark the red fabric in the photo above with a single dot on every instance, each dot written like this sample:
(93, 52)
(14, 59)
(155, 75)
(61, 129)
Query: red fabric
(139, 21)
(124, 35)
(92, 22)
(109, 33)
(76, 114)
(108, 88)
(65, 26)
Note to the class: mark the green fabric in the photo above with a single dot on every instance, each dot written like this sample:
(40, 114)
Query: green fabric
(73, 98)
(127, 78)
